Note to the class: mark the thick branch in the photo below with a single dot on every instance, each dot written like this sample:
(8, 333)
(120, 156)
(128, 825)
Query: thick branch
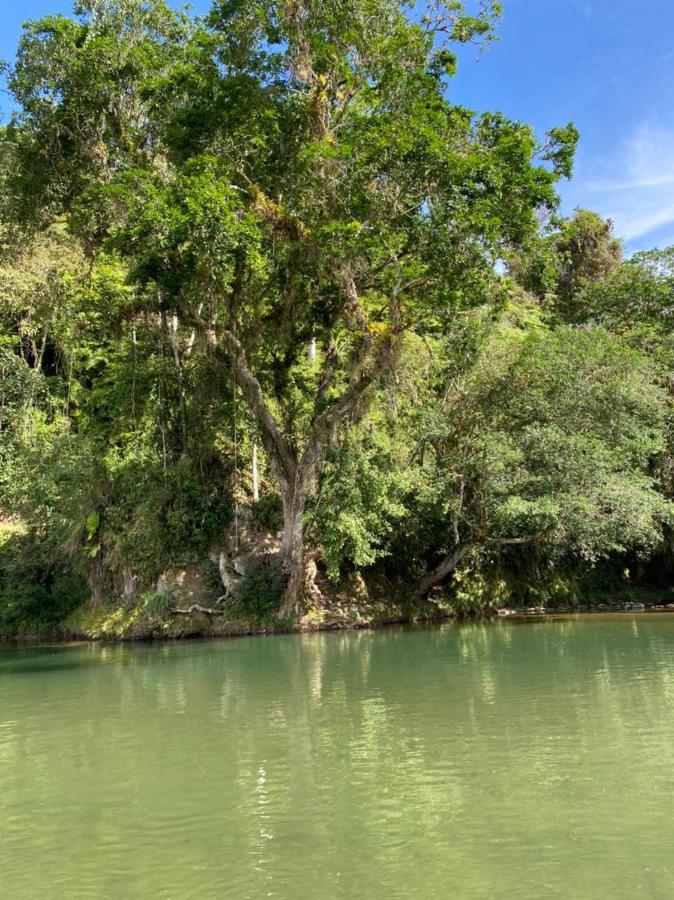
(504, 542)
(274, 441)
(450, 562)
(326, 421)
(446, 567)
(356, 320)
(324, 424)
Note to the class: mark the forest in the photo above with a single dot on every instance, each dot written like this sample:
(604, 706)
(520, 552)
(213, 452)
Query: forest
(289, 338)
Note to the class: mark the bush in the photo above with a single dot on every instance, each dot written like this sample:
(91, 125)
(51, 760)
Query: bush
(267, 513)
(156, 519)
(211, 575)
(261, 590)
(38, 589)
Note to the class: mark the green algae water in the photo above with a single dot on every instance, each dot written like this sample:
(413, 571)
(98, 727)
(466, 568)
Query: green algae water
(505, 759)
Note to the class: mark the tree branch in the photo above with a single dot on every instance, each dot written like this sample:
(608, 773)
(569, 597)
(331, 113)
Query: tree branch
(445, 568)
(324, 423)
(451, 561)
(357, 320)
(525, 539)
(275, 442)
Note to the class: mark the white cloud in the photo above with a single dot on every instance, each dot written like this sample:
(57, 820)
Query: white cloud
(635, 186)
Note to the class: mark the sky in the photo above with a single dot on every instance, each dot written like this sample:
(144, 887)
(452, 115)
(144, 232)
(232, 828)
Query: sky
(606, 65)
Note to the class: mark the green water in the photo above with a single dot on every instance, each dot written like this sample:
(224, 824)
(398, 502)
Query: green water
(487, 760)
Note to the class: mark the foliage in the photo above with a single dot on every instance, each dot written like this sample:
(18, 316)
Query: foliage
(212, 578)
(155, 519)
(360, 500)
(157, 605)
(636, 299)
(37, 589)
(261, 590)
(549, 441)
(267, 176)
(267, 513)
(576, 253)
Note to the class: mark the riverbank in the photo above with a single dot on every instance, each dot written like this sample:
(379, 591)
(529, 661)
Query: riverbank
(186, 603)
(141, 623)
(120, 624)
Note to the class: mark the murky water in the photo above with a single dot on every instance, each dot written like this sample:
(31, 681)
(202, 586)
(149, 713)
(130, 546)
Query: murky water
(474, 761)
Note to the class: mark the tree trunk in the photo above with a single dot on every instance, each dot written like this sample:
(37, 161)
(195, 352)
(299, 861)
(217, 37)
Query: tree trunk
(295, 498)
(297, 477)
(449, 563)
(446, 567)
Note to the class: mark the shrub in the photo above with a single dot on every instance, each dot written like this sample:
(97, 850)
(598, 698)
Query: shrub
(38, 588)
(211, 575)
(156, 519)
(261, 590)
(267, 513)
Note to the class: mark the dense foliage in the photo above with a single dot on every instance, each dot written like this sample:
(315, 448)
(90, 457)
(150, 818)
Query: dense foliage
(260, 274)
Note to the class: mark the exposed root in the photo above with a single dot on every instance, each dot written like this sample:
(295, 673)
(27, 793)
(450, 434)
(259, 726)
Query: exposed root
(194, 608)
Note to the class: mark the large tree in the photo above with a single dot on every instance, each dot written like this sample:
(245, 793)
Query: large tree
(565, 258)
(551, 443)
(279, 175)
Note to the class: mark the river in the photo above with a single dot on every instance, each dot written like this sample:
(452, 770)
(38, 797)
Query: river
(482, 760)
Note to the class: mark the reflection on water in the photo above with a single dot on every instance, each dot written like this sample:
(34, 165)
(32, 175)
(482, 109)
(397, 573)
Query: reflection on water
(483, 760)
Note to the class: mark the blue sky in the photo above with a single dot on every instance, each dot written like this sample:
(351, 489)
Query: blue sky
(607, 65)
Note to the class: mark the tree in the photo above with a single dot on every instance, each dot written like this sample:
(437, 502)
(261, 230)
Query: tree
(550, 442)
(636, 299)
(575, 253)
(276, 174)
